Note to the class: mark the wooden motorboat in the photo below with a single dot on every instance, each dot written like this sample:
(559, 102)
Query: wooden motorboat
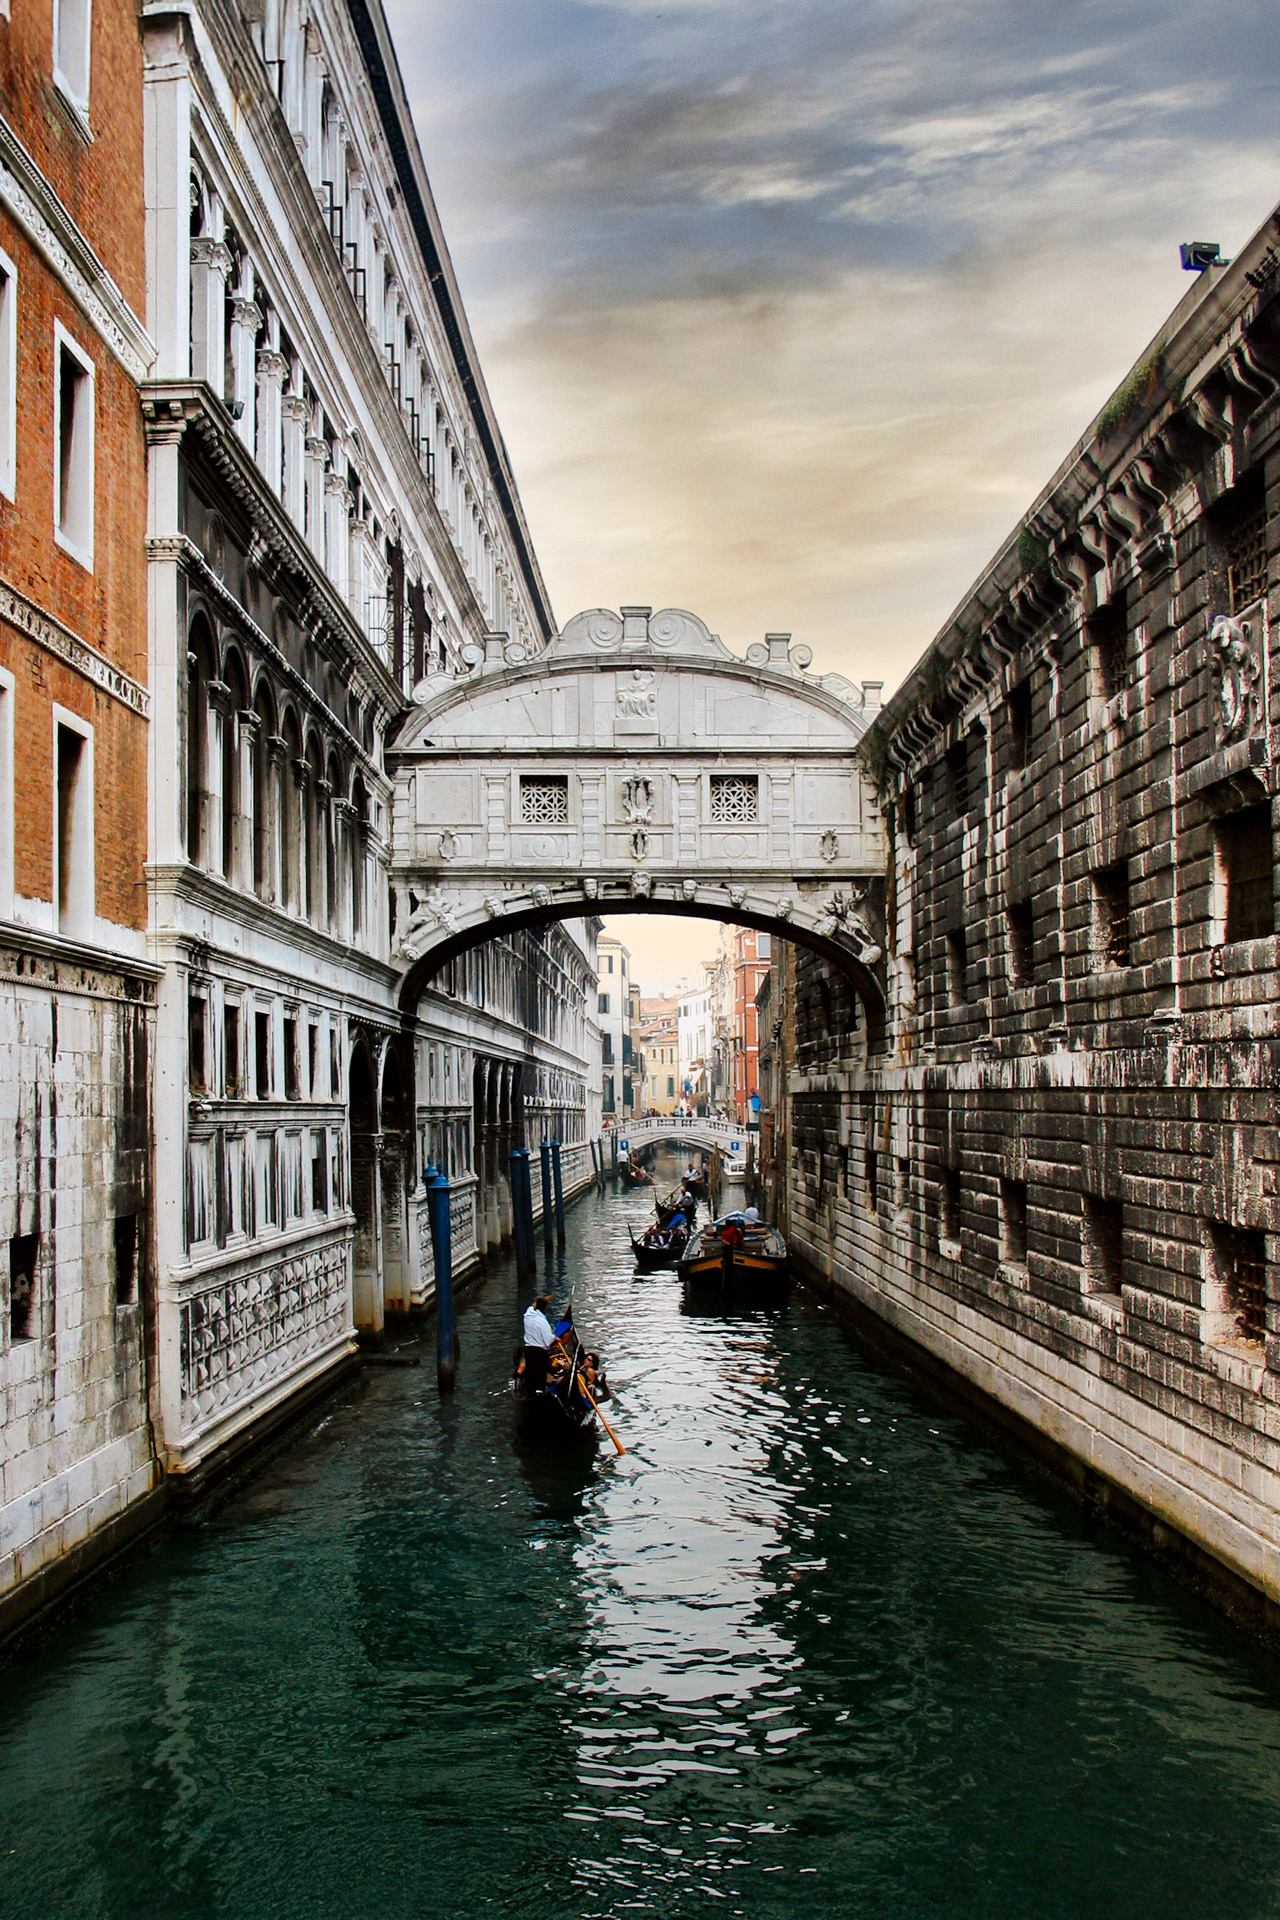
(753, 1259)
(658, 1247)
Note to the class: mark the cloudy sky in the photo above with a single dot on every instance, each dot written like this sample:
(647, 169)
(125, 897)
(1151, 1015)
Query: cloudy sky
(789, 307)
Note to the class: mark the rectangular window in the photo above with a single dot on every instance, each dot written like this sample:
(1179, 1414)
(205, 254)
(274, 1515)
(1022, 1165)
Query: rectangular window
(73, 839)
(72, 20)
(1022, 941)
(1246, 558)
(1240, 1256)
(73, 448)
(232, 1079)
(544, 799)
(1246, 873)
(957, 967)
(603, 1006)
(24, 1250)
(606, 1049)
(1013, 1222)
(1019, 708)
(313, 1061)
(126, 1259)
(949, 1204)
(671, 1086)
(262, 1054)
(335, 1078)
(871, 1169)
(268, 1180)
(735, 797)
(319, 1170)
(1107, 638)
(763, 949)
(1102, 1246)
(902, 1183)
(291, 1089)
(8, 377)
(197, 1013)
(958, 778)
(1110, 944)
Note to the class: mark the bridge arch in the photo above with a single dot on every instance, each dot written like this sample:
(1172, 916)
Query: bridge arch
(637, 765)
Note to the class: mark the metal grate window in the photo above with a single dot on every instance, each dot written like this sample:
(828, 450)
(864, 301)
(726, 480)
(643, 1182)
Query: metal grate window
(734, 797)
(1246, 548)
(1245, 847)
(544, 800)
(1242, 1263)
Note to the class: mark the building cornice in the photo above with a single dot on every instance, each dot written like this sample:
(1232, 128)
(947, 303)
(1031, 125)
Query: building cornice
(74, 652)
(33, 205)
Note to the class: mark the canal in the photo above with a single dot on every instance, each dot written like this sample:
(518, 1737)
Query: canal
(811, 1648)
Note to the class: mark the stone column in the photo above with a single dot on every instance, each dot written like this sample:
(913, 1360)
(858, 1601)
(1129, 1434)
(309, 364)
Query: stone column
(323, 913)
(214, 800)
(211, 263)
(294, 431)
(337, 513)
(275, 748)
(269, 444)
(305, 902)
(246, 319)
(317, 465)
(245, 823)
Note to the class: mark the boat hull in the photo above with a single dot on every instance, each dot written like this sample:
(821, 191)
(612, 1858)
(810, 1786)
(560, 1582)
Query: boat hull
(735, 1271)
(544, 1418)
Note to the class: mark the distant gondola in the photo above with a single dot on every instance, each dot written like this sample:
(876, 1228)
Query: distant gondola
(752, 1260)
(658, 1247)
(637, 1176)
(668, 1209)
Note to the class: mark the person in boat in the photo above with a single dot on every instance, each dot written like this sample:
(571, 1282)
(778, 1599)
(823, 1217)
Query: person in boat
(731, 1234)
(594, 1375)
(753, 1225)
(539, 1337)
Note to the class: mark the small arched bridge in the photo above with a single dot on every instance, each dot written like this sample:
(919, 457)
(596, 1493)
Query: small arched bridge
(637, 765)
(673, 1129)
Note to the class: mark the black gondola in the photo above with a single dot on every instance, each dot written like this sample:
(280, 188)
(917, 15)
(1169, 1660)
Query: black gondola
(668, 1209)
(752, 1261)
(636, 1175)
(559, 1413)
(658, 1247)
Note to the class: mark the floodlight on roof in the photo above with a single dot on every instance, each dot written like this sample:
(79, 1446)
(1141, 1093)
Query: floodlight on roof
(1199, 254)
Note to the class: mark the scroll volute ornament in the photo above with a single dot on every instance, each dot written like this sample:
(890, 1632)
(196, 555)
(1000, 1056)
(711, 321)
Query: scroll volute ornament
(1238, 685)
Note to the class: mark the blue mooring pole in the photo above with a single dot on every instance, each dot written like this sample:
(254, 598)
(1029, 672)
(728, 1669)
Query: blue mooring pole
(438, 1192)
(522, 1212)
(559, 1187)
(548, 1224)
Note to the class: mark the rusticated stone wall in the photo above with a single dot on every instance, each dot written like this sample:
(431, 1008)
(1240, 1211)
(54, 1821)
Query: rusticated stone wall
(1059, 1175)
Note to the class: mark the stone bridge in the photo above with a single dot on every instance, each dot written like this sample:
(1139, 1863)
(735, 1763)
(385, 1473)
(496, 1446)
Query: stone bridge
(636, 764)
(671, 1128)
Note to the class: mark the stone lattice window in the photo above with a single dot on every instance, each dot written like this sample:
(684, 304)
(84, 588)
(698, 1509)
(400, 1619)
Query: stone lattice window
(544, 799)
(1246, 555)
(1241, 1257)
(735, 797)
(1111, 943)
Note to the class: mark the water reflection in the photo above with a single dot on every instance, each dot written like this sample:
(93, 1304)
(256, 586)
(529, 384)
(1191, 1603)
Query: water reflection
(809, 1648)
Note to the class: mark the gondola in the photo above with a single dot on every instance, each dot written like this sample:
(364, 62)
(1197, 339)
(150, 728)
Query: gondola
(559, 1414)
(637, 1176)
(757, 1265)
(668, 1209)
(649, 1255)
(697, 1185)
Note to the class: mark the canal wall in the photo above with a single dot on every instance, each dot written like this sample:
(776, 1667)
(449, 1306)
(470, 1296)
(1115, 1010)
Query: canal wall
(1048, 1156)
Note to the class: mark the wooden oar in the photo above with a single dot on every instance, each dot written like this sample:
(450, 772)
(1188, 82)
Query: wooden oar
(582, 1382)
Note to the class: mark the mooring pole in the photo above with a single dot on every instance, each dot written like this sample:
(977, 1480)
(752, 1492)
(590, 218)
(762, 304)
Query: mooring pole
(438, 1192)
(522, 1212)
(613, 1158)
(559, 1191)
(548, 1226)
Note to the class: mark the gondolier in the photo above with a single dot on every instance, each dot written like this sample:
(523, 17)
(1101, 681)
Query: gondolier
(538, 1336)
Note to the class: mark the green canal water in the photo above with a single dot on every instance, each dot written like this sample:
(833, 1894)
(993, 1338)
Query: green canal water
(811, 1648)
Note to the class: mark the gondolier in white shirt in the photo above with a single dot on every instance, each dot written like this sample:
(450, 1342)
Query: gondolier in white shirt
(538, 1336)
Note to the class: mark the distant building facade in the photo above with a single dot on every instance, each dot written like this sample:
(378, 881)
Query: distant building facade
(613, 1015)
(659, 1041)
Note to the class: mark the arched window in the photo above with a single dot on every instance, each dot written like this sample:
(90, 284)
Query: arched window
(263, 814)
(200, 671)
(313, 867)
(233, 822)
(359, 833)
(291, 885)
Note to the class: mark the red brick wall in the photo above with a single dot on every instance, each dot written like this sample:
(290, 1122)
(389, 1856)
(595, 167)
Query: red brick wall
(101, 184)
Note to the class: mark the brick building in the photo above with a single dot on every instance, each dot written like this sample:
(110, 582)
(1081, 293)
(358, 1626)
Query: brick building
(750, 962)
(77, 993)
(1051, 1158)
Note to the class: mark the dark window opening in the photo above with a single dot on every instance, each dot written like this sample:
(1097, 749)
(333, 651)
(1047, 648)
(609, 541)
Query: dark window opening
(24, 1251)
(71, 852)
(319, 1172)
(1013, 1222)
(1245, 553)
(871, 1167)
(949, 1204)
(1103, 1245)
(197, 1008)
(1107, 633)
(232, 1082)
(957, 967)
(313, 1059)
(958, 778)
(1241, 1255)
(1112, 944)
(126, 1259)
(902, 1195)
(1022, 941)
(1245, 846)
(262, 1054)
(335, 1078)
(909, 815)
(1019, 705)
(291, 1089)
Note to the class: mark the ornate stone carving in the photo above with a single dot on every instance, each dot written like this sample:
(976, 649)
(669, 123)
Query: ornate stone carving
(736, 896)
(638, 695)
(246, 1330)
(637, 799)
(689, 889)
(639, 844)
(433, 911)
(591, 887)
(641, 886)
(843, 917)
(829, 845)
(540, 895)
(1238, 683)
(494, 905)
(448, 844)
